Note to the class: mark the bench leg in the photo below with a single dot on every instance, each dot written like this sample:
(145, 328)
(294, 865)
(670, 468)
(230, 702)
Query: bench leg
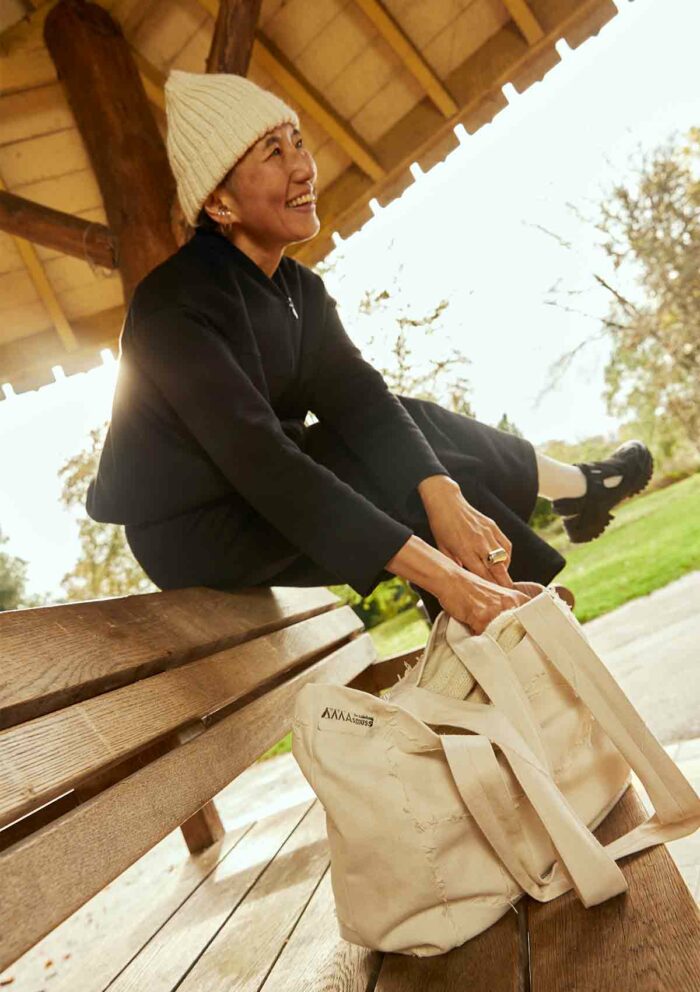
(203, 829)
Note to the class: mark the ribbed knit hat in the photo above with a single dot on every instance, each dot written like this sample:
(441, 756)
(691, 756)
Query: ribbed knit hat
(213, 119)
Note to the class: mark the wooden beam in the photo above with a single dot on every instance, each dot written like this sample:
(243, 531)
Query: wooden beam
(55, 229)
(526, 21)
(266, 54)
(398, 40)
(234, 33)
(274, 62)
(25, 65)
(44, 288)
(127, 153)
(517, 61)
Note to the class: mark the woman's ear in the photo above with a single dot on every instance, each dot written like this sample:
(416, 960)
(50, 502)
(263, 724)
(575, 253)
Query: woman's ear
(217, 209)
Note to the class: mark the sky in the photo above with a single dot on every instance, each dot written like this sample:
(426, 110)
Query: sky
(469, 232)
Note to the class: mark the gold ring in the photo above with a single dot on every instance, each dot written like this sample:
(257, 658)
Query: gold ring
(496, 556)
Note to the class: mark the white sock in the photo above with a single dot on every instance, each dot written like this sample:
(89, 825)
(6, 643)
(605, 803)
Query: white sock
(557, 480)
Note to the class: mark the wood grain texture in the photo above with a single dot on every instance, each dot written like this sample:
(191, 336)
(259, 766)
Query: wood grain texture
(57, 229)
(203, 828)
(233, 887)
(315, 958)
(126, 150)
(493, 961)
(247, 945)
(41, 759)
(56, 655)
(110, 831)
(645, 940)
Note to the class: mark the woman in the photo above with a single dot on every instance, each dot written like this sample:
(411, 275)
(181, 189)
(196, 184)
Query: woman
(225, 348)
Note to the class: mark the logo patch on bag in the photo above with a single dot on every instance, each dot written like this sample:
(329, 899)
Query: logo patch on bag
(345, 721)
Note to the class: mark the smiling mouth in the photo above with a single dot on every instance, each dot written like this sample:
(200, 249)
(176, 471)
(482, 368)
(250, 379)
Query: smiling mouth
(304, 200)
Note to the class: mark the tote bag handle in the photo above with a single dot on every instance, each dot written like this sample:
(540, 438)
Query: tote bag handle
(592, 868)
(672, 796)
(478, 777)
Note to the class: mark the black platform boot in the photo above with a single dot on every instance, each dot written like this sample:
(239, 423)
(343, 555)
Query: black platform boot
(587, 516)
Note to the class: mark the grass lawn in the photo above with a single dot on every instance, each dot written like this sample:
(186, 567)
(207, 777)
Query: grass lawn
(653, 540)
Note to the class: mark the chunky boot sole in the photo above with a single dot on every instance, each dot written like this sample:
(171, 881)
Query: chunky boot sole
(581, 534)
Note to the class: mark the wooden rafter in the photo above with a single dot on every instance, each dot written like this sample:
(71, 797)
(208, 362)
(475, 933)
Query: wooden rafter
(348, 207)
(55, 229)
(128, 156)
(526, 21)
(402, 45)
(44, 289)
(269, 58)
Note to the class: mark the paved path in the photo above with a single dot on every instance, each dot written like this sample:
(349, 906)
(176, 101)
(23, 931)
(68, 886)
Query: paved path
(652, 647)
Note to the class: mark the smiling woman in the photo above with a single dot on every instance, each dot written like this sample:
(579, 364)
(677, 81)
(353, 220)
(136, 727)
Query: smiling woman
(226, 347)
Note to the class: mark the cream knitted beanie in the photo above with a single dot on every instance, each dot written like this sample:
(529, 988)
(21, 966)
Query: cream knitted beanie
(213, 119)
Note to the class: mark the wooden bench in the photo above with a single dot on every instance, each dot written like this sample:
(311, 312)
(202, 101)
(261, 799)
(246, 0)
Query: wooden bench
(121, 719)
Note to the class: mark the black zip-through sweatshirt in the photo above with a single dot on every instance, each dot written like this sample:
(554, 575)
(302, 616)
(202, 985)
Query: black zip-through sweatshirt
(219, 365)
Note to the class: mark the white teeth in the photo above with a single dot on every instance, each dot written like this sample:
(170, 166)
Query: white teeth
(305, 198)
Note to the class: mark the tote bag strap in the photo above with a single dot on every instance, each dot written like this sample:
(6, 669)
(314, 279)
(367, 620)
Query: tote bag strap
(478, 777)
(675, 801)
(676, 804)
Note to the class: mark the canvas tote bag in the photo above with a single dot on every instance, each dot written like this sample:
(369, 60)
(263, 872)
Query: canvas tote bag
(478, 777)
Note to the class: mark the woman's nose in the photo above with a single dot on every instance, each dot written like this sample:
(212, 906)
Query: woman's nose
(305, 164)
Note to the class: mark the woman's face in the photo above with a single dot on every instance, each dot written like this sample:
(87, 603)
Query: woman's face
(276, 170)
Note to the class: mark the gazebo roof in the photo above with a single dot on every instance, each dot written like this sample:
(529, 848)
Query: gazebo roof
(378, 86)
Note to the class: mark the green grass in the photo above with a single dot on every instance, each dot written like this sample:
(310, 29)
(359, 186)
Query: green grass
(653, 540)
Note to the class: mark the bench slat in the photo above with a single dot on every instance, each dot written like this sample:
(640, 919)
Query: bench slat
(39, 886)
(635, 942)
(168, 956)
(493, 961)
(56, 655)
(42, 759)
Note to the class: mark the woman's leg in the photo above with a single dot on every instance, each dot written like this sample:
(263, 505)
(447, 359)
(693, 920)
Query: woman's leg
(585, 493)
(557, 480)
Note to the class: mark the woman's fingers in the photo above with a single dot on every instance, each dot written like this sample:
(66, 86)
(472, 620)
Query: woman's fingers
(499, 574)
(530, 589)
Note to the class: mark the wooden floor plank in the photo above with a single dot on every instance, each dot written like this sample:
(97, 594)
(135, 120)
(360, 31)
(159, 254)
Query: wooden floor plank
(493, 961)
(317, 959)
(246, 947)
(645, 940)
(56, 655)
(170, 954)
(86, 952)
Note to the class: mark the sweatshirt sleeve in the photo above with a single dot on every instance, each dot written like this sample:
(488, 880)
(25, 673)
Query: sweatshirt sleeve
(191, 365)
(351, 395)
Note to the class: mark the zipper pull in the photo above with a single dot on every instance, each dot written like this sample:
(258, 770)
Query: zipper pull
(292, 307)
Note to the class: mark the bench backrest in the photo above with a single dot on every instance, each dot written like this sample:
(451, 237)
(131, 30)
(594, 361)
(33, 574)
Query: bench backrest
(120, 718)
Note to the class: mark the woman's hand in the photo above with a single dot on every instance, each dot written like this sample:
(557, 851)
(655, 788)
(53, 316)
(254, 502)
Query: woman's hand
(476, 602)
(463, 533)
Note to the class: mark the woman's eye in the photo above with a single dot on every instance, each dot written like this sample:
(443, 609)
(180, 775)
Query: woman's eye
(278, 149)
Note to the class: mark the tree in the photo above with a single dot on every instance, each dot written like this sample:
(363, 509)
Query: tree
(651, 237)
(13, 577)
(106, 566)
(442, 379)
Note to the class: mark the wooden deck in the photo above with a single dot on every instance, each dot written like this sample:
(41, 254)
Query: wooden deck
(231, 918)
